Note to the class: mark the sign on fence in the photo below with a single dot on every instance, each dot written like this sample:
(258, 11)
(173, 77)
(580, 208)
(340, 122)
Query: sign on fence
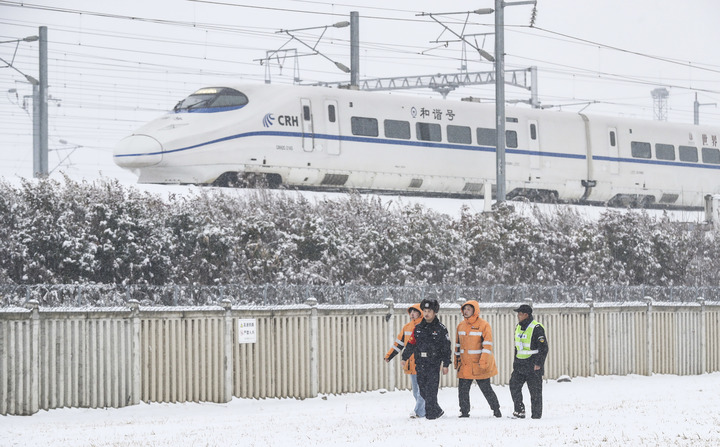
(247, 332)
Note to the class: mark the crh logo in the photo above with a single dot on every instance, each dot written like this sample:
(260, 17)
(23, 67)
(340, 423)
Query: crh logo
(268, 120)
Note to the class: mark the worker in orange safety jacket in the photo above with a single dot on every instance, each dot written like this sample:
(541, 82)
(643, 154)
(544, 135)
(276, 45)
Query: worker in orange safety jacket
(416, 317)
(474, 359)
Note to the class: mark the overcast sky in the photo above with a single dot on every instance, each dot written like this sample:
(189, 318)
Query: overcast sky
(114, 65)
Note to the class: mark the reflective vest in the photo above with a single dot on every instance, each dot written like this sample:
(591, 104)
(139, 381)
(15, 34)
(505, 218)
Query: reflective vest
(523, 339)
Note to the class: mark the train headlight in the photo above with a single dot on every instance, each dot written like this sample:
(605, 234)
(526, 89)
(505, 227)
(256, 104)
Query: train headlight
(137, 151)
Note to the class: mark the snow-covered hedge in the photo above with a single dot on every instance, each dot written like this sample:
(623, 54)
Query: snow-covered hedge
(102, 232)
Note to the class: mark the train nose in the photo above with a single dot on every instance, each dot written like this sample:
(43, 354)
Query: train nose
(137, 151)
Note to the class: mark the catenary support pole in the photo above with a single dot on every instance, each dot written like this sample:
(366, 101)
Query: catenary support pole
(500, 100)
(354, 48)
(43, 96)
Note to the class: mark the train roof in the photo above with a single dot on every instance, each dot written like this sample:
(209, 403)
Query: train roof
(255, 88)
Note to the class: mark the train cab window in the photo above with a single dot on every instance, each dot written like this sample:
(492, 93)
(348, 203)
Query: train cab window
(331, 113)
(664, 151)
(367, 127)
(688, 153)
(428, 131)
(639, 149)
(459, 134)
(533, 131)
(711, 155)
(397, 129)
(511, 138)
(212, 99)
(306, 113)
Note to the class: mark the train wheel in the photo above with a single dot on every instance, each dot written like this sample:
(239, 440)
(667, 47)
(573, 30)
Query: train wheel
(273, 180)
(228, 180)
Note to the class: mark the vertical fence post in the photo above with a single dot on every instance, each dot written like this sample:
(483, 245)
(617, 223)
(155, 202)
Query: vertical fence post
(34, 382)
(135, 352)
(649, 342)
(228, 350)
(591, 335)
(703, 336)
(390, 318)
(314, 347)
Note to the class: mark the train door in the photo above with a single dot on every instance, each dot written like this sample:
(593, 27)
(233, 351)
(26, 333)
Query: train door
(332, 127)
(613, 151)
(534, 144)
(308, 134)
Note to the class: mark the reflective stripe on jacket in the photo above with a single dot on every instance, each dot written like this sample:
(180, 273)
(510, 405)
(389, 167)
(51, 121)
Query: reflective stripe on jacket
(402, 339)
(474, 347)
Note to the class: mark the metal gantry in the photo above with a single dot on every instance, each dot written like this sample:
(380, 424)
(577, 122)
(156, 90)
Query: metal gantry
(444, 83)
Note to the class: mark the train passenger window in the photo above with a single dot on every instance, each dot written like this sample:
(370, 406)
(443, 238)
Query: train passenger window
(331, 113)
(306, 113)
(533, 131)
(486, 137)
(511, 138)
(688, 153)
(711, 155)
(459, 134)
(428, 131)
(397, 129)
(640, 149)
(664, 151)
(612, 138)
(364, 126)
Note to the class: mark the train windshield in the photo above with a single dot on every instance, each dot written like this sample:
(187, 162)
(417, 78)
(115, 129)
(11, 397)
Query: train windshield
(212, 99)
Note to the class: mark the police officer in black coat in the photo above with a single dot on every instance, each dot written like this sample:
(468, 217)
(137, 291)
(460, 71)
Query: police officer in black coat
(430, 343)
(531, 349)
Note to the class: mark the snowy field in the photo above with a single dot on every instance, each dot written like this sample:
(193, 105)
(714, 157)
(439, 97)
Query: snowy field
(603, 411)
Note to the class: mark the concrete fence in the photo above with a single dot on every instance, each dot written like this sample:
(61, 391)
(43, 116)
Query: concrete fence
(114, 357)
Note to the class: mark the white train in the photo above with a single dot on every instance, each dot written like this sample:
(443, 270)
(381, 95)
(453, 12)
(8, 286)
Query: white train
(315, 137)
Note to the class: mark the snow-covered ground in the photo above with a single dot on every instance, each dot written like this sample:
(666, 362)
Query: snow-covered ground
(660, 410)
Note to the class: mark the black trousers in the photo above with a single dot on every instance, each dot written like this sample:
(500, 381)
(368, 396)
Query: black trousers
(428, 377)
(534, 382)
(464, 394)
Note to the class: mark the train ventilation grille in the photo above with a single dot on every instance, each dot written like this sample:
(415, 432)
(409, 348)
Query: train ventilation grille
(334, 179)
(416, 183)
(473, 187)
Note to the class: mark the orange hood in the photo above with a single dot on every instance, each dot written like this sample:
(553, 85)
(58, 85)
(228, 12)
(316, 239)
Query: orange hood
(475, 314)
(416, 307)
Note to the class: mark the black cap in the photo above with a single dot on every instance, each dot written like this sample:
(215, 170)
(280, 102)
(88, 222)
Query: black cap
(524, 308)
(430, 304)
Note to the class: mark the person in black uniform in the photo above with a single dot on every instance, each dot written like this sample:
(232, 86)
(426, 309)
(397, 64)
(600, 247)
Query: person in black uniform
(430, 343)
(531, 349)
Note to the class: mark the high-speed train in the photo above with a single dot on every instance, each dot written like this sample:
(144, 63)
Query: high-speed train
(318, 137)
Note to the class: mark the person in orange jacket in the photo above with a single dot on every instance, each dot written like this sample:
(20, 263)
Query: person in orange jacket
(474, 359)
(416, 317)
